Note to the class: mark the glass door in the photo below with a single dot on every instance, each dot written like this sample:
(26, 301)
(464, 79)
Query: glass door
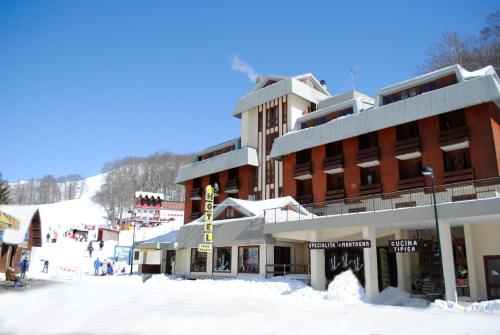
(492, 276)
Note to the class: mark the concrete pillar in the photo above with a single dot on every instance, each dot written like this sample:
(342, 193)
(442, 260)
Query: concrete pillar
(401, 262)
(448, 263)
(469, 247)
(370, 260)
(318, 278)
(262, 259)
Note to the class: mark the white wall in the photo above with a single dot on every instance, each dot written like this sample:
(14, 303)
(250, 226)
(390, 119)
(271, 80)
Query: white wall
(249, 121)
(296, 108)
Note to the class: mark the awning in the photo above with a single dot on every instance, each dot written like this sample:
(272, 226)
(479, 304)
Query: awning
(243, 231)
(162, 242)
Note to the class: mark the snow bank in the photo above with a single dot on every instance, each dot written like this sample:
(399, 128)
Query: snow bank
(393, 296)
(345, 287)
(490, 306)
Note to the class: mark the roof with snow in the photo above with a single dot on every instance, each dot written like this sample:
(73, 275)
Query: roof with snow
(172, 205)
(149, 195)
(161, 242)
(25, 215)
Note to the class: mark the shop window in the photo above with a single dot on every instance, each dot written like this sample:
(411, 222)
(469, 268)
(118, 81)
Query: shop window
(457, 160)
(410, 168)
(335, 181)
(367, 141)
(248, 259)
(407, 130)
(370, 175)
(198, 261)
(222, 259)
(452, 120)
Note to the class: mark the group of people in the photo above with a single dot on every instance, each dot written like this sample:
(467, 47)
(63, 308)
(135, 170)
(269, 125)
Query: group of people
(10, 274)
(105, 268)
(90, 247)
(52, 237)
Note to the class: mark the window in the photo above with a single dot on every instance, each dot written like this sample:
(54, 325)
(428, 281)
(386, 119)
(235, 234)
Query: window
(222, 259)
(269, 172)
(457, 160)
(407, 130)
(370, 175)
(269, 141)
(410, 168)
(367, 141)
(233, 174)
(260, 121)
(333, 149)
(272, 117)
(136, 255)
(198, 261)
(304, 187)
(248, 259)
(284, 110)
(335, 181)
(303, 156)
(452, 120)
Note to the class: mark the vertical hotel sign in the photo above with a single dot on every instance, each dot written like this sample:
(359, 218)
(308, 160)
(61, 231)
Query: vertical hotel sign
(209, 219)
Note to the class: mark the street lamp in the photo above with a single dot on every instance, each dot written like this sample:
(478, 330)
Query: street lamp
(428, 172)
(132, 213)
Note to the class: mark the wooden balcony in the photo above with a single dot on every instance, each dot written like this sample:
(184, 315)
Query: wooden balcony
(304, 199)
(368, 157)
(333, 164)
(458, 176)
(408, 148)
(415, 182)
(231, 186)
(195, 193)
(303, 171)
(370, 189)
(334, 194)
(454, 139)
(194, 215)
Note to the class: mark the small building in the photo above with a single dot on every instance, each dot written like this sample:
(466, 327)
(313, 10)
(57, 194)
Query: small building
(20, 230)
(157, 255)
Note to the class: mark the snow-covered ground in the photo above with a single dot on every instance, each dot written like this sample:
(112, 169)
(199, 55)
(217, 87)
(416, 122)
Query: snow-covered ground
(65, 302)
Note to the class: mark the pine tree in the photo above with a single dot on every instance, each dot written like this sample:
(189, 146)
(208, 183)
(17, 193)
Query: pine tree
(4, 191)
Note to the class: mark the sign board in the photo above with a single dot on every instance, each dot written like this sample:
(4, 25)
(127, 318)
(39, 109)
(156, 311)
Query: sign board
(406, 245)
(340, 244)
(8, 222)
(209, 218)
(205, 247)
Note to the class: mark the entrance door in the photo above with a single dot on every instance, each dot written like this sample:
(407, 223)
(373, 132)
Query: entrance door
(387, 268)
(169, 261)
(492, 276)
(281, 259)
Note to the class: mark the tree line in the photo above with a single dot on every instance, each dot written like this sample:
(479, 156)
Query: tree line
(155, 173)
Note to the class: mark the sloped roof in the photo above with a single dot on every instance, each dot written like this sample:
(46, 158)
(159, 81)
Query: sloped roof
(149, 195)
(25, 215)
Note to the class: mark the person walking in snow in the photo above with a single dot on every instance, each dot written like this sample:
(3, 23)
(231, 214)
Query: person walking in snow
(109, 269)
(48, 237)
(24, 266)
(46, 266)
(90, 248)
(97, 265)
(101, 245)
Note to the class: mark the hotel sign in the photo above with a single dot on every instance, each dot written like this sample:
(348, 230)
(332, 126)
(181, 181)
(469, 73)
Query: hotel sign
(407, 245)
(209, 218)
(340, 244)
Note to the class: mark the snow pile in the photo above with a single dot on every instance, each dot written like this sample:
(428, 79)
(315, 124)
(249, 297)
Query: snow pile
(393, 296)
(345, 287)
(491, 306)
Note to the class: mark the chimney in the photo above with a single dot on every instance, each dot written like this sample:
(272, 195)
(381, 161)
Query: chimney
(323, 83)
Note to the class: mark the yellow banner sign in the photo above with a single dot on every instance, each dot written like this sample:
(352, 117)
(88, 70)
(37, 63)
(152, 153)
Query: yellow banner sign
(9, 222)
(147, 249)
(205, 247)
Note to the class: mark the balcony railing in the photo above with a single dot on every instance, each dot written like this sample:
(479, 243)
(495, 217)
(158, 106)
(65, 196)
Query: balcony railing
(333, 164)
(195, 193)
(418, 197)
(370, 189)
(408, 148)
(231, 186)
(335, 194)
(453, 139)
(458, 176)
(303, 171)
(368, 157)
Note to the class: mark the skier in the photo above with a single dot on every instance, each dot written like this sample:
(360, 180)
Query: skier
(48, 237)
(109, 269)
(24, 266)
(101, 245)
(90, 248)
(97, 265)
(46, 266)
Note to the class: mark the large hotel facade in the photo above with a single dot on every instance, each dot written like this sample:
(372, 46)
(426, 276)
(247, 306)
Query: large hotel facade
(318, 184)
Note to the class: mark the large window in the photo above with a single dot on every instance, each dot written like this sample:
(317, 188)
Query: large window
(370, 175)
(335, 181)
(411, 168)
(198, 261)
(457, 160)
(407, 130)
(248, 259)
(222, 259)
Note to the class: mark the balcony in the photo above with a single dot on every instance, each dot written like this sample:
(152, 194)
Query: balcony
(408, 148)
(368, 157)
(303, 171)
(333, 164)
(408, 183)
(304, 198)
(458, 176)
(231, 186)
(194, 215)
(370, 189)
(195, 193)
(334, 194)
(454, 139)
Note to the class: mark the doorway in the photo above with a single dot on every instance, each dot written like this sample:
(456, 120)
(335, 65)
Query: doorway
(492, 276)
(282, 260)
(169, 262)
(387, 268)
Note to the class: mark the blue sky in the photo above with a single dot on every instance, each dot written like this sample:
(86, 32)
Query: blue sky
(85, 82)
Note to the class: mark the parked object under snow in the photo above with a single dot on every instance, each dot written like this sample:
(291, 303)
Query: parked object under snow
(345, 287)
